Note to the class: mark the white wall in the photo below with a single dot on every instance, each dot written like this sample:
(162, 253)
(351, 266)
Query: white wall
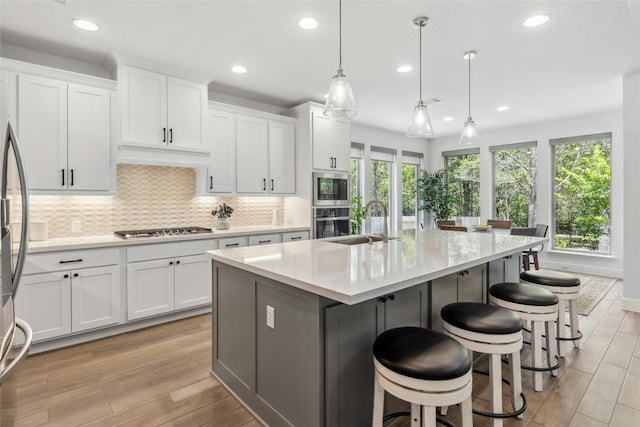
(608, 121)
(631, 120)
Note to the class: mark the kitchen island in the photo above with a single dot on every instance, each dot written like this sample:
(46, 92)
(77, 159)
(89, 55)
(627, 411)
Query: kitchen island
(293, 323)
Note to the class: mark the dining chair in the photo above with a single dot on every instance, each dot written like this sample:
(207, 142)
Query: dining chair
(532, 253)
(453, 228)
(441, 222)
(499, 223)
(524, 231)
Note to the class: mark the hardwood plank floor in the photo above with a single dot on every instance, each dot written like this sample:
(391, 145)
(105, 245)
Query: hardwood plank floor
(160, 377)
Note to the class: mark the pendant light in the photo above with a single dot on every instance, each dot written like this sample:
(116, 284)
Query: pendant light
(470, 131)
(340, 102)
(420, 124)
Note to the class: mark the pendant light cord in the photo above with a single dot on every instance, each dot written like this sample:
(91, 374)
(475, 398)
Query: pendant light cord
(469, 59)
(420, 62)
(340, 34)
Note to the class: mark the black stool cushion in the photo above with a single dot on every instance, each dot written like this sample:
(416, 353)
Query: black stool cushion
(521, 293)
(549, 278)
(421, 353)
(481, 318)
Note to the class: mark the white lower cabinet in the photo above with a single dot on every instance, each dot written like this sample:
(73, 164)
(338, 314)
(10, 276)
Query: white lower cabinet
(157, 286)
(61, 302)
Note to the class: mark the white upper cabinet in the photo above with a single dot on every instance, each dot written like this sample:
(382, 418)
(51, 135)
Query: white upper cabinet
(221, 173)
(330, 140)
(282, 158)
(252, 148)
(160, 111)
(65, 134)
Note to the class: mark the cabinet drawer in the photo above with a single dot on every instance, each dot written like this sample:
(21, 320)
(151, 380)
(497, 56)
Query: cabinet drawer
(68, 260)
(294, 236)
(170, 250)
(233, 242)
(265, 239)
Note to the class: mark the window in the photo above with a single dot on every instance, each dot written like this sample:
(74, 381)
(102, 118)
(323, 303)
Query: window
(410, 174)
(381, 185)
(514, 183)
(356, 169)
(463, 181)
(582, 193)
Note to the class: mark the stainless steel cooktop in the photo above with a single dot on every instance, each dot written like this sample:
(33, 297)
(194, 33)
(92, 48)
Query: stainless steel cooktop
(161, 232)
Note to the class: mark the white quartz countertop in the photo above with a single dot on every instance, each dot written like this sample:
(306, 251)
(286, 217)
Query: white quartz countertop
(110, 240)
(352, 274)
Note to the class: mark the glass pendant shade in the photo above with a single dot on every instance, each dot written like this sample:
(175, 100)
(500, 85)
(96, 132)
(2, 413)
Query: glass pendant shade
(420, 124)
(469, 133)
(340, 101)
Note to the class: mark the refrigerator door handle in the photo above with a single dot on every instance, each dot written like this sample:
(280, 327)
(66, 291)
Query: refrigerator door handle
(24, 190)
(28, 337)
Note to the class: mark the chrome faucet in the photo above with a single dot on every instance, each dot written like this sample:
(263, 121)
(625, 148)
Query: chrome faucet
(385, 232)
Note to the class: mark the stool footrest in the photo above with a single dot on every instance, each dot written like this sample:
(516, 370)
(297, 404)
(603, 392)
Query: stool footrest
(503, 414)
(408, 414)
(577, 337)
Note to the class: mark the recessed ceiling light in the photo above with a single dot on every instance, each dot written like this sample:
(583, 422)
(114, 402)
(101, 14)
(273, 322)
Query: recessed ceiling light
(404, 68)
(536, 20)
(308, 23)
(503, 108)
(238, 69)
(448, 119)
(85, 25)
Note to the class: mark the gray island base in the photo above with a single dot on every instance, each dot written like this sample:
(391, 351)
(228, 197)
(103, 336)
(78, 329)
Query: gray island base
(293, 323)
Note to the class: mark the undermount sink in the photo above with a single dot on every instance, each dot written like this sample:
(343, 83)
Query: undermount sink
(359, 240)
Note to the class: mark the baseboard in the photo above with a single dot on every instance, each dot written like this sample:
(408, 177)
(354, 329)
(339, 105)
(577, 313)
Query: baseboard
(629, 304)
(584, 269)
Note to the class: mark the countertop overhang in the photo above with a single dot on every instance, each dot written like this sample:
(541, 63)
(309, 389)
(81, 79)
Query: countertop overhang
(357, 273)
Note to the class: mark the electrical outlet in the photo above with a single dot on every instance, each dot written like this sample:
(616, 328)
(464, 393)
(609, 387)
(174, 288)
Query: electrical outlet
(76, 226)
(271, 317)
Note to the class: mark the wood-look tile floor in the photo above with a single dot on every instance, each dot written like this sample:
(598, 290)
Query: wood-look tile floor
(160, 376)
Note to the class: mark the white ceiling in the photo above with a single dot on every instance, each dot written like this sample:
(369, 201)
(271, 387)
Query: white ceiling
(570, 66)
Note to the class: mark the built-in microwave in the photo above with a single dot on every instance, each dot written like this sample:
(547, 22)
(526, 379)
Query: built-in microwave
(331, 189)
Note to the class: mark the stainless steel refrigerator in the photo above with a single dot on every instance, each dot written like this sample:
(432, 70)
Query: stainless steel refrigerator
(15, 334)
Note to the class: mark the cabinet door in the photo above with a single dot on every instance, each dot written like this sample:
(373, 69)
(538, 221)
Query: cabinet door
(294, 236)
(341, 145)
(265, 239)
(89, 138)
(42, 130)
(444, 290)
(350, 331)
(44, 301)
(149, 288)
(409, 307)
(143, 106)
(252, 156)
(473, 284)
(322, 141)
(221, 174)
(282, 158)
(95, 298)
(192, 281)
(187, 110)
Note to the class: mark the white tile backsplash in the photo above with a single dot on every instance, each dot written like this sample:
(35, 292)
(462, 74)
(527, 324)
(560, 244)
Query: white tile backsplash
(148, 197)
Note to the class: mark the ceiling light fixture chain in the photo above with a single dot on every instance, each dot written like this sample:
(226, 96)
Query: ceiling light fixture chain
(340, 102)
(420, 124)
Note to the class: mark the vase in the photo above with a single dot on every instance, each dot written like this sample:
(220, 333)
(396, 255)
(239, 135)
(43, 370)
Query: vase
(222, 224)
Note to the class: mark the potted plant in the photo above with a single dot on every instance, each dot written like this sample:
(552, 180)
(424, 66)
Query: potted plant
(222, 213)
(433, 196)
(356, 214)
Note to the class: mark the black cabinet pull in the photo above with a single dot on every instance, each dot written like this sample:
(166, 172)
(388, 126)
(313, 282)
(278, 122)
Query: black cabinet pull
(164, 134)
(264, 184)
(62, 176)
(232, 244)
(170, 135)
(210, 183)
(392, 297)
(170, 262)
(296, 238)
(70, 261)
(66, 276)
(383, 299)
(264, 241)
(271, 185)
(71, 183)
(177, 262)
(75, 274)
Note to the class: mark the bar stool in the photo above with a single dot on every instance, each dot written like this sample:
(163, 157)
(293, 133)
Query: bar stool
(540, 307)
(494, 331)
(425, 368)
(567, 288)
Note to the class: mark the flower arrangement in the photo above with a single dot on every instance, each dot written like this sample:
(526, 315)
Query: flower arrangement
(222, 211)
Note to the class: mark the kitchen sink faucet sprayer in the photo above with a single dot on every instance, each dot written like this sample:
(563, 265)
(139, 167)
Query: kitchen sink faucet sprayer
(385, 230)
